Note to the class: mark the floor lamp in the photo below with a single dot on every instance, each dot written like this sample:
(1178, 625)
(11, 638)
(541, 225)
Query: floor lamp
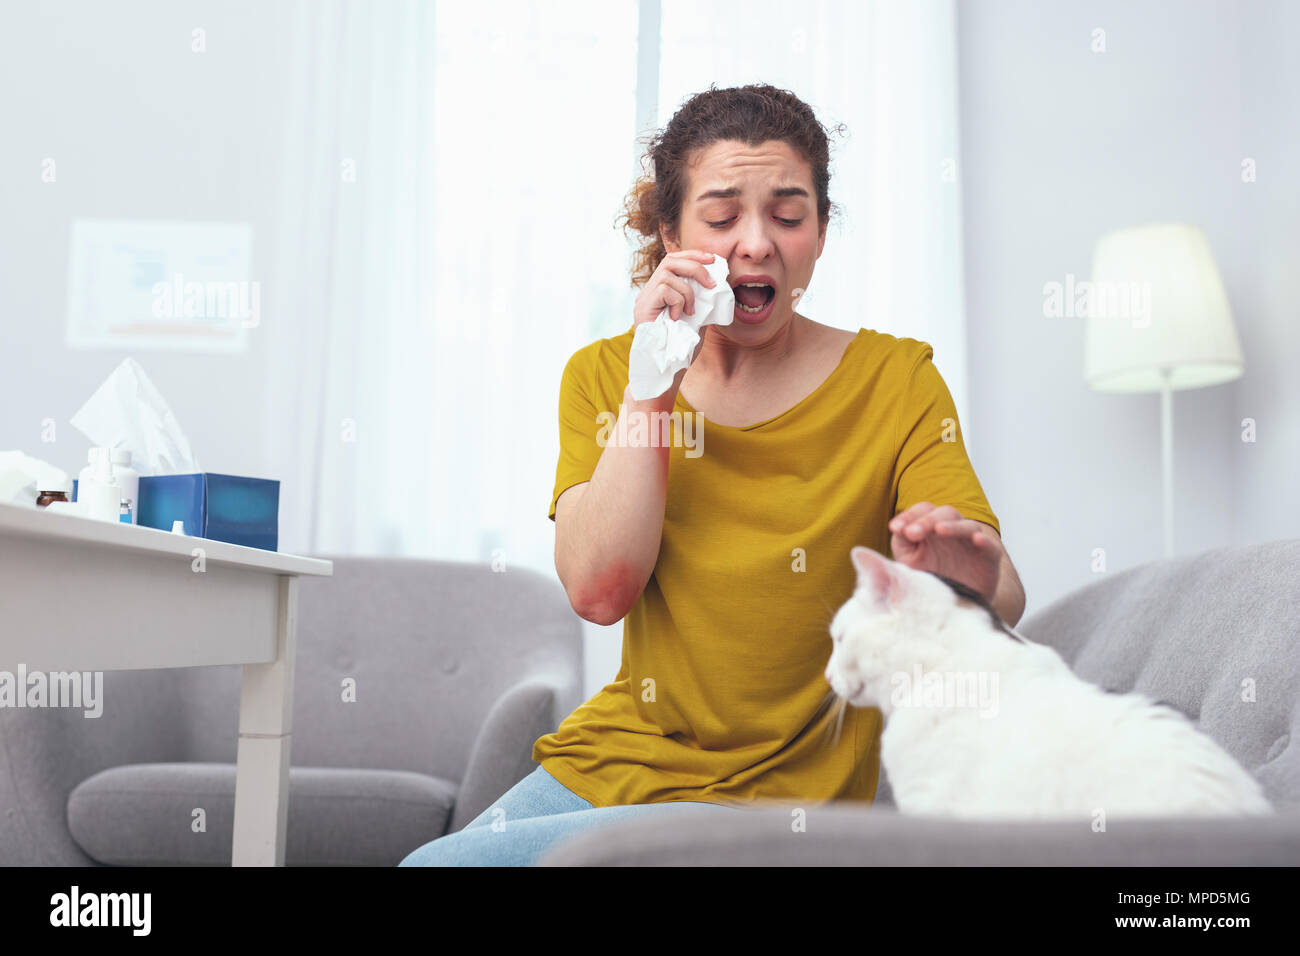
(1158, 321)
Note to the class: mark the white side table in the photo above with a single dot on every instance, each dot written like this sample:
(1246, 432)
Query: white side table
(131, 598)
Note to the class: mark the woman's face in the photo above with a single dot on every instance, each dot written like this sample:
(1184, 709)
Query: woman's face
(754, 206)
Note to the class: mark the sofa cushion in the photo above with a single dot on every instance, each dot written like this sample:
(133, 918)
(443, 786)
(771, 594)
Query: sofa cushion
(1215, 634)
(144, 815)
(843, 833)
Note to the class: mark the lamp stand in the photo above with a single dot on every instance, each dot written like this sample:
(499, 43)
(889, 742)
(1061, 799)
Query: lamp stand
(1167, 458)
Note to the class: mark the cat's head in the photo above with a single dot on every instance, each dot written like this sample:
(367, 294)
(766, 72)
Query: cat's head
(897, 618)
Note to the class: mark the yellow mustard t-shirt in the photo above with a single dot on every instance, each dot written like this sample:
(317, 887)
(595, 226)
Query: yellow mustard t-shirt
(720, 694)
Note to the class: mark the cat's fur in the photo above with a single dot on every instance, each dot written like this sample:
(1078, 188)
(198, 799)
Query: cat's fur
(1053, 746)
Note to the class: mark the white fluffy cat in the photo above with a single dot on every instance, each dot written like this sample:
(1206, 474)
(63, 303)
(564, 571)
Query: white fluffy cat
(981, 723)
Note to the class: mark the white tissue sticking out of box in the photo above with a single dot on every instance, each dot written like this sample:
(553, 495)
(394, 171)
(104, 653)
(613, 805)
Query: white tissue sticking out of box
(128, 412)
(22, 476)
(662, 348)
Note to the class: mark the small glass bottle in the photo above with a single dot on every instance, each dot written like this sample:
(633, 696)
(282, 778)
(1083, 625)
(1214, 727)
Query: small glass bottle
(124, 515)
(50, 492)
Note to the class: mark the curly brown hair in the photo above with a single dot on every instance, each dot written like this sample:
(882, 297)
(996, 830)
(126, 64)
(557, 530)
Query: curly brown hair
(751, 114)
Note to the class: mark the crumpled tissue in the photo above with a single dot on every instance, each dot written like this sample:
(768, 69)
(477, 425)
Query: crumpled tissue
(22, 476)
(662, 348)
(128, 412)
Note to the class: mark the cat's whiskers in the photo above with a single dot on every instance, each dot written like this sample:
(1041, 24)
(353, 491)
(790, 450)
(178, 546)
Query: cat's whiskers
(828, 701)
(829, 610)
(840, 704)
(839, 721)
(836, 717)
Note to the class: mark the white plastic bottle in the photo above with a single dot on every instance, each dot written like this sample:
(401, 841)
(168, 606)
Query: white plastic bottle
(86, 475)
(127, 478)
(99, 493)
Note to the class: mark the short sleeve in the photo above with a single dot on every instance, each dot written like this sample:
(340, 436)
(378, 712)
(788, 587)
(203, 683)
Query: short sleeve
(932, 463)
(580, 424)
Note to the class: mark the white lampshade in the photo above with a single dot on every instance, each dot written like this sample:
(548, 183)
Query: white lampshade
(1158, 303)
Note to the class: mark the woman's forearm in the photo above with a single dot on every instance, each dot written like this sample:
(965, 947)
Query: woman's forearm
(607, 543)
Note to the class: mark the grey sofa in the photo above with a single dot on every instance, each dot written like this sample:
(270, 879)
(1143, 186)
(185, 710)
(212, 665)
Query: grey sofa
(1191, 631)
(457, 670)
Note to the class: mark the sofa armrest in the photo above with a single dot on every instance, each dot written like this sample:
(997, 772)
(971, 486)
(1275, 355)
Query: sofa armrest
(503, 750)
(852, 835)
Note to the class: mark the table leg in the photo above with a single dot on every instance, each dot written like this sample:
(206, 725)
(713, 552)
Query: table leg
(262, 760)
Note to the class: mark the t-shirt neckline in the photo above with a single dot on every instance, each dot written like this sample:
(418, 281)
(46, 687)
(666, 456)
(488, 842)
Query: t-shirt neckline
(844, 358)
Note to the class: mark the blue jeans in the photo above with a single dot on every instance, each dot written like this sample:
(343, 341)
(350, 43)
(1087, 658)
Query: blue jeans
(531, 817)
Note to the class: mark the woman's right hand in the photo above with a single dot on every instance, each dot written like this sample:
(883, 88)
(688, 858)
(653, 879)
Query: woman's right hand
(669, 289)
(609, 530)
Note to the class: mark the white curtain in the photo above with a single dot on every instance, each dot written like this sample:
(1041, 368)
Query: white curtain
(451, 174)
(887, 70)
(450, 180)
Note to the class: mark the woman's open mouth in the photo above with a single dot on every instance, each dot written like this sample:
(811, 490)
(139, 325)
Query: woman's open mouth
(754, 301)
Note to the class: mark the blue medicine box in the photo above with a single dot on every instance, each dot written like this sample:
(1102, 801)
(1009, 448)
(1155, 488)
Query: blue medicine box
(220, 507)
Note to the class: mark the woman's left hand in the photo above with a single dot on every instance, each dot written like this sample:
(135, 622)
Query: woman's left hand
(940, 540)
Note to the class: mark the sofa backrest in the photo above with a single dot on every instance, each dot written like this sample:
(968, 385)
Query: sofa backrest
(430, 645)
(1216, 634)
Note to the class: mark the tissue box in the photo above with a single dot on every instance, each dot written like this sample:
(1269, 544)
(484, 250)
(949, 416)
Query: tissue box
(221, 507)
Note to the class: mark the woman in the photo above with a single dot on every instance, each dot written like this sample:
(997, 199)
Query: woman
(726, 562)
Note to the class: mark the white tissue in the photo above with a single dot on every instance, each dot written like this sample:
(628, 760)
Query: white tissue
(128, 412)
(22, 476)
(662, 348)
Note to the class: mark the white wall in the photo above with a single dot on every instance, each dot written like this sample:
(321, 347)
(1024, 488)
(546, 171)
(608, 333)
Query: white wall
(1267, 277)
(1060, 145)
(139, 127)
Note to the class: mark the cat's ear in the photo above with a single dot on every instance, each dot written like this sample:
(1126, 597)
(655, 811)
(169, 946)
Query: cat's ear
(874, 573)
